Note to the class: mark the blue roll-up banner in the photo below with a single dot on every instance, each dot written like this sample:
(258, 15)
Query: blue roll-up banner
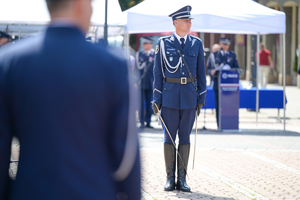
(229, 99)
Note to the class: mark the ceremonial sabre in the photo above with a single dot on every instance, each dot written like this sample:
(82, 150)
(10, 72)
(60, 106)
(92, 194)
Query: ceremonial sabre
(171, 138)
(195, 141)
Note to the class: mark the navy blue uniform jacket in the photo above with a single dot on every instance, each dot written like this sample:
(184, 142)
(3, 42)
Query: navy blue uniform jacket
(67, 102)
(176, 95)
(146, 76)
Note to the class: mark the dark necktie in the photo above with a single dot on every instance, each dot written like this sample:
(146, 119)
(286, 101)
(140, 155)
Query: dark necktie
(182, 42)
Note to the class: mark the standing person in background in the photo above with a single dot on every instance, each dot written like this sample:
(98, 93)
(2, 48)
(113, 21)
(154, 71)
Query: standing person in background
(145, 60)
(211, 60)
(265, 64)
(69, 103)
(179, 91)
(4, 39)
(224, 59)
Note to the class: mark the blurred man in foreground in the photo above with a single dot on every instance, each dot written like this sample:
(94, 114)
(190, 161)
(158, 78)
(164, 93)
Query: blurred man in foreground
(69, 104)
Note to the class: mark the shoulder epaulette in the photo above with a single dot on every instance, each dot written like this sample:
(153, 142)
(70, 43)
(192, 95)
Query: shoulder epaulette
(164, 37)
(195, 37)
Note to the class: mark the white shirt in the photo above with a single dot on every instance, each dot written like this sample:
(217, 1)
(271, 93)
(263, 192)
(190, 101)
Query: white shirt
(178, 38)
(222, 52)
(147, 52)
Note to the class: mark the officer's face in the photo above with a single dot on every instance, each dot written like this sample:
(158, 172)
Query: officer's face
(183, 25)
(225, 47)
(147, 46)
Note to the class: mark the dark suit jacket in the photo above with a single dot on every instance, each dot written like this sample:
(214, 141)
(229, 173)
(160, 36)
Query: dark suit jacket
(67, 101)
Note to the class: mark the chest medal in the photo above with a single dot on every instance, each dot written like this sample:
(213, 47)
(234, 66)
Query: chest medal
(171, 59)
(229, 59)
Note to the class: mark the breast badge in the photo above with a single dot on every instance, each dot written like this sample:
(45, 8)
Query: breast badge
(156, 49)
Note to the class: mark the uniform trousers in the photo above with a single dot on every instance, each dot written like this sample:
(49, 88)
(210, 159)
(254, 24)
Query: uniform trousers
(178, 121)
(146, 109)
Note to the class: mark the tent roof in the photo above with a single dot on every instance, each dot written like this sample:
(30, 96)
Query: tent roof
(214, 16)
(33, 16)
(35, 12)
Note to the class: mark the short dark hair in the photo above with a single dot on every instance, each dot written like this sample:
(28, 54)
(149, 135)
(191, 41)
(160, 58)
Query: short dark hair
(54, 5)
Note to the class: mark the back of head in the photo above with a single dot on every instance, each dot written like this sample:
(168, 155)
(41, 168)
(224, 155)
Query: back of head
(79, 11)
(57, 5)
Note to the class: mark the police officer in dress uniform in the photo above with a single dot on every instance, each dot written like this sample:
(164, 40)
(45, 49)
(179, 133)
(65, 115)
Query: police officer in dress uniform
(145, 61)
(61, 97)
(179, 91)
(4, 39)
(224, 59)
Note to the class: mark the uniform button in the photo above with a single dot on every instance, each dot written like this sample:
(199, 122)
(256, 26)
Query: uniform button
(183, 64)
(183, 55)
(182, 73)
(164, 88)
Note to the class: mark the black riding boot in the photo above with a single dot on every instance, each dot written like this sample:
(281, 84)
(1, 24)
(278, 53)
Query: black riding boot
(184, 151)
(170, 160)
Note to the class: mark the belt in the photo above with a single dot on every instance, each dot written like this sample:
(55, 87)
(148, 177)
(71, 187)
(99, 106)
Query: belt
(182, 80)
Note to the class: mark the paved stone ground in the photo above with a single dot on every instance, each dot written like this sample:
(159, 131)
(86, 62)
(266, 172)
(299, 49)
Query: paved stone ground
(246, 166)
(262, 161)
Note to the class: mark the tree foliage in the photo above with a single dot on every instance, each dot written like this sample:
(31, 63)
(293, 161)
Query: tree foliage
(126, 4)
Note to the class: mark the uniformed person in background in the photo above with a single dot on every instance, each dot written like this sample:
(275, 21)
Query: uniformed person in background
(179, 91)
(224, 59)
(145, 61)
(4, 39)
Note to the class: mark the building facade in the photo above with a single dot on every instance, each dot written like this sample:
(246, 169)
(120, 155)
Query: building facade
(273, 42)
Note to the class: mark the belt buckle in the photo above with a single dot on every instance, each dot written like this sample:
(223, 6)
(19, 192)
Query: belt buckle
(183, 80)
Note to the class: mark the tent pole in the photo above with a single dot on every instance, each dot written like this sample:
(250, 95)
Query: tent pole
(19, 32)
(257, 67)
(105, 23)
(283, 68)
(126, 44)
(96, 35)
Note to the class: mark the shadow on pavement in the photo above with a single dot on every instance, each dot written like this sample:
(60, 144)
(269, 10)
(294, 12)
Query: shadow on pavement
(257, 132)
(194, 195)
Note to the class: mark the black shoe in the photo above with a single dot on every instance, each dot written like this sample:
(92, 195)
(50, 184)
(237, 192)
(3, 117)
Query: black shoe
(170, 160)
(142, 127)
(149, 126)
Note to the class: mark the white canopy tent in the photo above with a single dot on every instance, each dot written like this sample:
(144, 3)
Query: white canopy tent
(31, 16)
(213, 16)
